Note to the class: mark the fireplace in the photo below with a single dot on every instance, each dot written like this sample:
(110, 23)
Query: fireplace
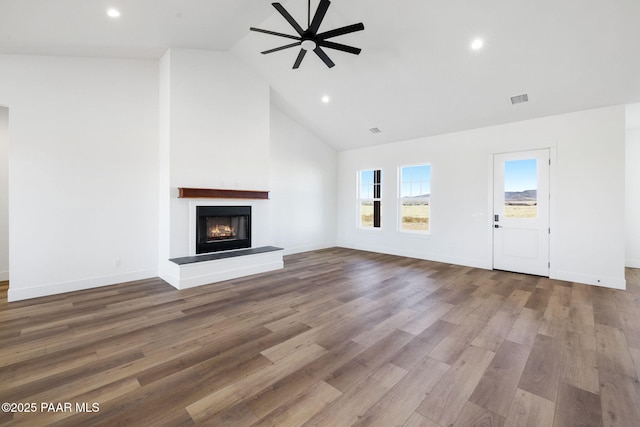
(221, 228)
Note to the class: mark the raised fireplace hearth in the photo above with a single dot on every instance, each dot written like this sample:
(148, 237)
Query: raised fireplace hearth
(220, 239)
(222, 228)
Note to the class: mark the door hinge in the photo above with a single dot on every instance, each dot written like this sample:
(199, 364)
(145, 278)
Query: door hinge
(549, 265)
(549, 230)
(549, 162)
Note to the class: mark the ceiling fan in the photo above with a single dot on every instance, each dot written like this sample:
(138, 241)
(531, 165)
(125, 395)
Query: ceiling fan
(309, 39)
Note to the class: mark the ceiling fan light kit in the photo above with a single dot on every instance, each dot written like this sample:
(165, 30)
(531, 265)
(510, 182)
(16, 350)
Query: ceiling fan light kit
(310, 39)
(308, 44)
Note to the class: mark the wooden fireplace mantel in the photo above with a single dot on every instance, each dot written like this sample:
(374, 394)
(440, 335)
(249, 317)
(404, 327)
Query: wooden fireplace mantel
(212, 193)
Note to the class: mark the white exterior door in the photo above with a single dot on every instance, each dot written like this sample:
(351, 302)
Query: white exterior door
(521, 212)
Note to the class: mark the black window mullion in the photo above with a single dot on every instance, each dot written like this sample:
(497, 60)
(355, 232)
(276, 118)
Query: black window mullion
(377, 178)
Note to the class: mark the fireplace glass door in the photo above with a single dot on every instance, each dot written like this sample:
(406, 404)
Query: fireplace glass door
(220, 228)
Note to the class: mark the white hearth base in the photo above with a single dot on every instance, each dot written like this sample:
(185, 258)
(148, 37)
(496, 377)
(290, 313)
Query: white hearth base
(202, 272)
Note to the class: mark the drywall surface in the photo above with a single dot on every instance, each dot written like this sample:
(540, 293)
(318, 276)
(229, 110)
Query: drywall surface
(83, 171)
(303, 187)
(632, 186)
(4, 193)
(587, 190)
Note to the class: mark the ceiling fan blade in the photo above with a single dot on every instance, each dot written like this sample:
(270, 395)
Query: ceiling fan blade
(318, 50)
(273, 33)
(299, 58)
(341, 31)
(288, 17)
(280, 48)
(319, 16)
(342, 47)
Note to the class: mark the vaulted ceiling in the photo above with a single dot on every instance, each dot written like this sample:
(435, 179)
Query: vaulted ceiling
(416, 76)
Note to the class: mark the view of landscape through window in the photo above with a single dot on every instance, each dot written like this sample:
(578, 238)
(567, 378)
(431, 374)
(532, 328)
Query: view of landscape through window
(521, 189)
(415, 198)
(520, 195)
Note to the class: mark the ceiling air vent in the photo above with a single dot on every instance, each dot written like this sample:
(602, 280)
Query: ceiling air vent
(518, 99)
(375, 130)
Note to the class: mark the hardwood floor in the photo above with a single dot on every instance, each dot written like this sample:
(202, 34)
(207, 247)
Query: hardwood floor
(337, 338)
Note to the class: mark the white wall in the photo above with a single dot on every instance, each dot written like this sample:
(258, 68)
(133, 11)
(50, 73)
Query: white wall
(99, 147)
(219, 122)
(218, 130)
(303, 187)
(4, 193)
(164, 162)
(587, 194)
(633, 186)
(214, 134)
(83, 165)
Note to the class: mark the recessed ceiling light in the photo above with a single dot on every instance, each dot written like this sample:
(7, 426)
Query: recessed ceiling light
(114, 13)
(326, 99)
(477, 44)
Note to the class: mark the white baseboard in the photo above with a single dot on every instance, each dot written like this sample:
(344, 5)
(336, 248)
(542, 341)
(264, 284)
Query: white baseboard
(632, 263)
(466, 262)
(4, 275)
(18, 294)
(300, 249)
(606, 282)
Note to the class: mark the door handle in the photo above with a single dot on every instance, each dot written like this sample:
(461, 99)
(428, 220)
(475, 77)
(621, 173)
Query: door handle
(497, 226)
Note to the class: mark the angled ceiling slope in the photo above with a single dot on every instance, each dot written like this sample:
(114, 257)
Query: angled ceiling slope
(416, 75)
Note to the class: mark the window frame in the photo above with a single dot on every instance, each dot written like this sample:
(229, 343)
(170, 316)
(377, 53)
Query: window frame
(401, 199)
(374, 200)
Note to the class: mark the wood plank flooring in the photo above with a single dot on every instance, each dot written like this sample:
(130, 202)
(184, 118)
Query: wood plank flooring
(337, 338)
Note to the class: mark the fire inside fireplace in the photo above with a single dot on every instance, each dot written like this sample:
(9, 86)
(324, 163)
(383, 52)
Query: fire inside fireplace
(220, 228)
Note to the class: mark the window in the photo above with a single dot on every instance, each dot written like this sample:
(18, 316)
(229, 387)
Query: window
(521, 188)
(369, 198)
(415, 197)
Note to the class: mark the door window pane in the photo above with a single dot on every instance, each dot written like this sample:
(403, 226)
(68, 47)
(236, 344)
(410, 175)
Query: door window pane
(521, 188)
